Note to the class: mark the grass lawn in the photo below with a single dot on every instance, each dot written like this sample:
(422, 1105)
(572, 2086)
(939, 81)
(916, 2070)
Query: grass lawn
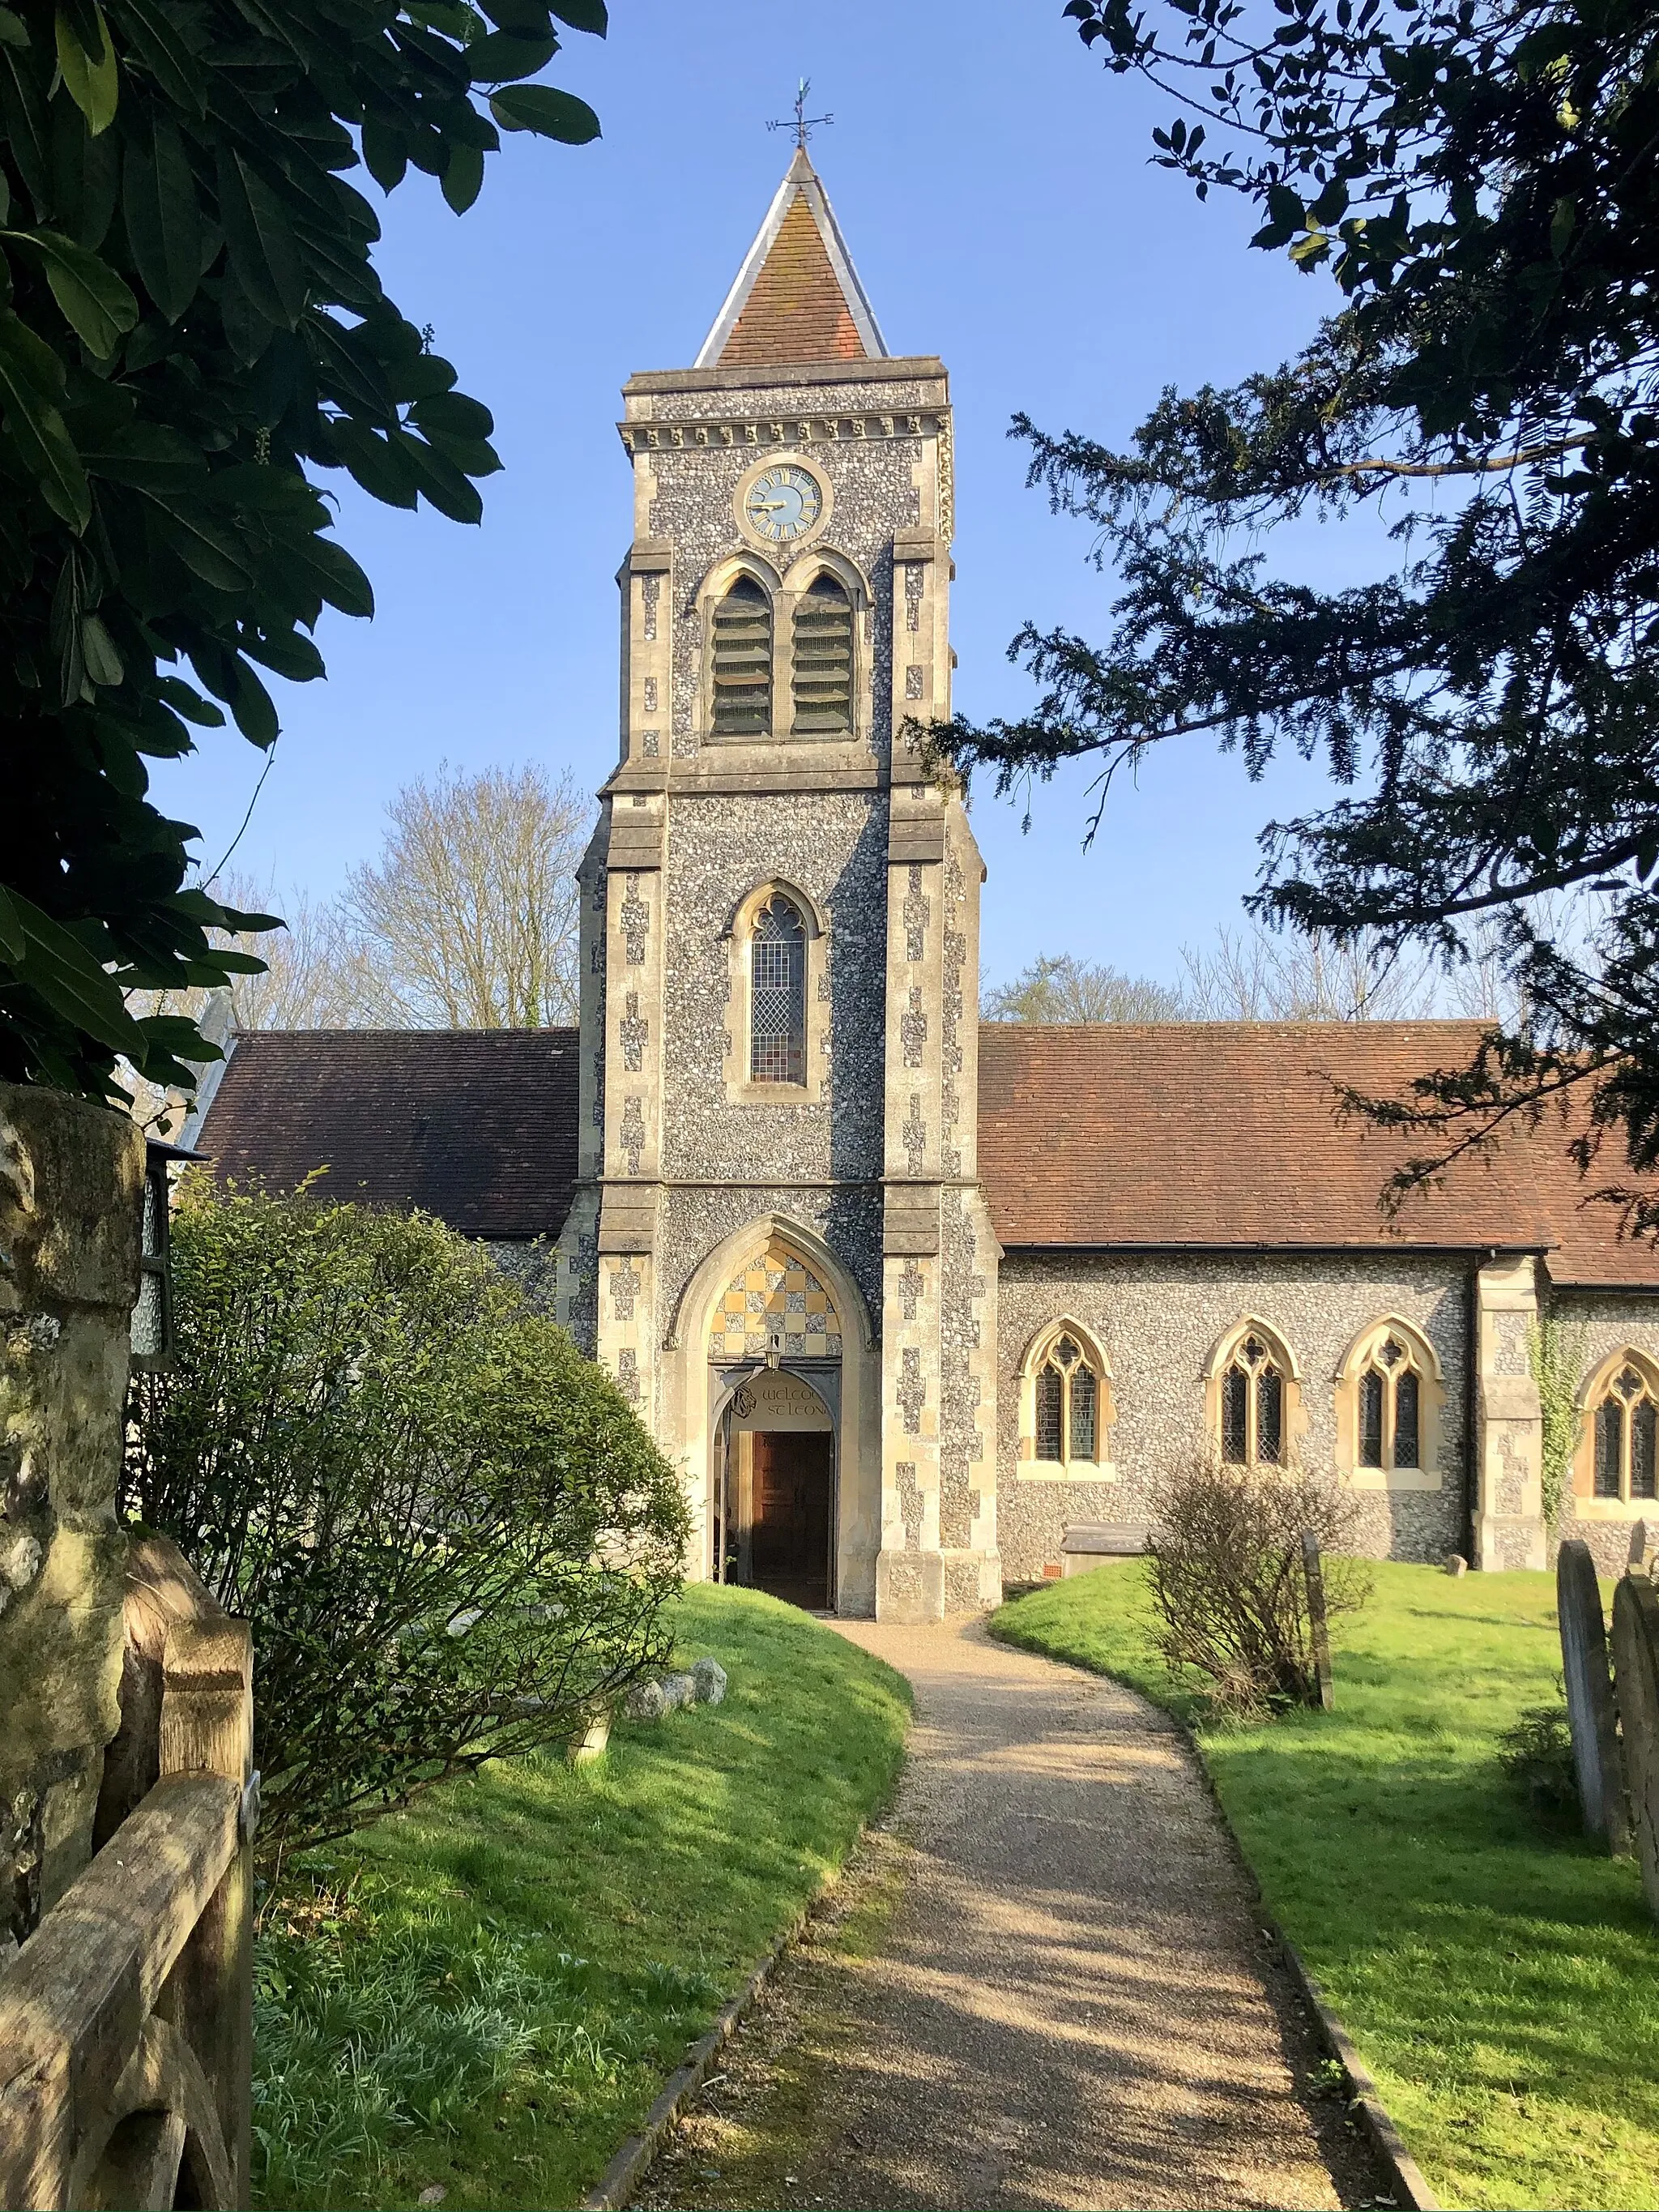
(1501, 1979)
(488, 1989)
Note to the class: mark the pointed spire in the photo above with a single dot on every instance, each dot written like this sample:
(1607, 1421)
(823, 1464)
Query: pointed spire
(798, 297)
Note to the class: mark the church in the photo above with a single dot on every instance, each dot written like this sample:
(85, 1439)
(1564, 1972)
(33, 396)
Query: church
(922, 1307)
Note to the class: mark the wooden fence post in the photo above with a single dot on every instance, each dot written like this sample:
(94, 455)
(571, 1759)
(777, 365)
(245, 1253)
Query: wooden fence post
(1318, 1626)
(207, 1725)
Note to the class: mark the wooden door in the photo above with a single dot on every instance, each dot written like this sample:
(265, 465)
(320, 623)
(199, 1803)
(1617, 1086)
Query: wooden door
(789, 1535)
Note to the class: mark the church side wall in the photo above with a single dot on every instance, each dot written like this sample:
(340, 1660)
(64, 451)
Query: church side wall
(1609, 1324)
(1158, 1318)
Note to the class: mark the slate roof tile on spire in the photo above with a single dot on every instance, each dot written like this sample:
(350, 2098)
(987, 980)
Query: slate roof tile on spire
(797, 298)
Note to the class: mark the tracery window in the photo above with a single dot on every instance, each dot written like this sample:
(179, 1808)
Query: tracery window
(1068, 1408)
(822, 674)
(1391, 1407)
(1253, 1405)
(742, 650)
(777, 996)
(1626, 1437)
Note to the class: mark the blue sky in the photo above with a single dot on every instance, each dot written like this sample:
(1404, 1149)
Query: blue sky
(992, 184)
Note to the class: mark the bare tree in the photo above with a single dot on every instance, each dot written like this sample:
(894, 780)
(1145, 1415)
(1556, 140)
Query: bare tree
(470, 919)
(1256, 976)
(1060, 987)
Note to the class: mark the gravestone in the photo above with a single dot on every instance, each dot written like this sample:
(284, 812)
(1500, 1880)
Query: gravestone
(1642, 1550)
(1636, 1673)
(1595, 1755)
(1318, 1626)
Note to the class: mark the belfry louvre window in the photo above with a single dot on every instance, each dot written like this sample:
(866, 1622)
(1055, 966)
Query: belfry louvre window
(1390, 1409)
(1253, 1408)
(1068, 1405)
(743, 662)
(777, 1007)
(1627, 1437)
(824, 661)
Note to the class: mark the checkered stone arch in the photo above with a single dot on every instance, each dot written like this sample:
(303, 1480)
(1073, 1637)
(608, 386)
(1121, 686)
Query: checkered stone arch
(775, 1285)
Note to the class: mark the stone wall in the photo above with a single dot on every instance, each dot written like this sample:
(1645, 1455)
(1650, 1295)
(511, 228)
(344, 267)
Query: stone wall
(1158, 1318)
(833, 845)
(1610, 1324)
(71, 1182)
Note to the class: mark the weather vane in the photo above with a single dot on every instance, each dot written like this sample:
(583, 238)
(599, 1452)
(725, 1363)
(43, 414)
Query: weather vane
(803, 124)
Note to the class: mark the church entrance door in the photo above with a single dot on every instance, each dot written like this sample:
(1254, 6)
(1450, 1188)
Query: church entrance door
(792, 1493)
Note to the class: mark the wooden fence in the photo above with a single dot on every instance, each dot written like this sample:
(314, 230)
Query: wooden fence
(125, 2020)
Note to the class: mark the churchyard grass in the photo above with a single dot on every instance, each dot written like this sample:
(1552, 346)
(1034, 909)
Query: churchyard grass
(1501, 1979)
(484, 1993)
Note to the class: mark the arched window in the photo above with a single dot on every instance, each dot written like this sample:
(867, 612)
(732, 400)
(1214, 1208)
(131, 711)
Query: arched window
(1390, 1408)
(777, 995)
(1624, 1461)
(1254, 1395)
(1069, 1407)
(1390, 1402)
(743, 662)
(822, 674)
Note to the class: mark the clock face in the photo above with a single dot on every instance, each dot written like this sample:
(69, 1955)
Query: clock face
(783, 504)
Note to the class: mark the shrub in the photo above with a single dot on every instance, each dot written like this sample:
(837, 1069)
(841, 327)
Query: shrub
(1536, 1754)
(1228, 1581)
(450, 1533)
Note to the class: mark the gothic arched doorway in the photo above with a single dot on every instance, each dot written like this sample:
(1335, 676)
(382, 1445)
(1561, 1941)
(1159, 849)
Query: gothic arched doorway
(774, 1353)
(774, 1489)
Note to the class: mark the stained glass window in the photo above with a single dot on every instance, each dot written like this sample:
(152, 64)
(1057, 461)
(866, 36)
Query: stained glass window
(1270, 1416)
(1235, 1416)
(1626, 1450)
(1371, 1418)
(1610, 1448)
(1253, 1408)
(1068, 1405)
(1084, 1397)
(1050, 1413)
(777, 1017)
(1408, 1402)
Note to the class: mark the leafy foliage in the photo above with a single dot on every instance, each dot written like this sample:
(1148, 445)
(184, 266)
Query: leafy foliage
(1536, 1753)
(451, 1534)
(190, 330)
(1556, 1350)
(1226, 1573)
(1479, 178)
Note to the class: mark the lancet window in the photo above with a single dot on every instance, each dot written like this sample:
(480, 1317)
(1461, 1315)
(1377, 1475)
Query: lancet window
(742, 650)
(1253, 1404)
(1626, 1437)
(823, 671)
(777, 997)
(1069, 1407)
(1390, 1424)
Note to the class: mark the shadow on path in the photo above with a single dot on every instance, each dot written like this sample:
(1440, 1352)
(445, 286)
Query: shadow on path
(1067, 2001)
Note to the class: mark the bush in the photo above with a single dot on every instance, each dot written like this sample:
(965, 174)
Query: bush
(1227, 1578)
(451, 1534)
(1536, 1753)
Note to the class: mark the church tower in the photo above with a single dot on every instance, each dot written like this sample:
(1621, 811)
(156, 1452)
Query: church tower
(779, 1246)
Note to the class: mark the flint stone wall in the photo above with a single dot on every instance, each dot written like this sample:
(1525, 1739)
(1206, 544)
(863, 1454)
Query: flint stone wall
(1610, 1323)
(834, 846)
(1158, 1318)
(695, 486)
(71, 1184)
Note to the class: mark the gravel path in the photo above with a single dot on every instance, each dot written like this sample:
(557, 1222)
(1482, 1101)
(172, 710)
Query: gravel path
(1070, 2005)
